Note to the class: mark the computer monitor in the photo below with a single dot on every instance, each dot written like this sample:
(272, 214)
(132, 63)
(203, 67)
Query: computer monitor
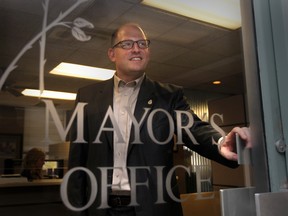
(53, 168)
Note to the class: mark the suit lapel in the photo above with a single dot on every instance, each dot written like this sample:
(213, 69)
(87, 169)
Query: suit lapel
(106, 99)
(146, 99)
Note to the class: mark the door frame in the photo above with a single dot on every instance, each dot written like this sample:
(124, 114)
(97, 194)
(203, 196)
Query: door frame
(262, 25)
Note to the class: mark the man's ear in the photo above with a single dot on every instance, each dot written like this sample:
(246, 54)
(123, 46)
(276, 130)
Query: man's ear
(111, 54)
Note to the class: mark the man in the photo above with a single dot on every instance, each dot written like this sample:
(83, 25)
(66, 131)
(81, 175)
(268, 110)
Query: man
(136, 138)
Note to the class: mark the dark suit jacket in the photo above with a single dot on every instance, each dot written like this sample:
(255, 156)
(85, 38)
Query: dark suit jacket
(152, 95)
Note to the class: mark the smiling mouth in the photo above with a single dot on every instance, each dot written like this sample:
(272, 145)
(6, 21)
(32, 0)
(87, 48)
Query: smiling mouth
(136, 59)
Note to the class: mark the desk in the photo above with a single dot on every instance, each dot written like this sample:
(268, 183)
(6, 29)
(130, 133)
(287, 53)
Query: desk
(40, 197)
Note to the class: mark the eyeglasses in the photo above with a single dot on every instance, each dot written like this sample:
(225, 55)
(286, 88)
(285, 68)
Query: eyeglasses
(128, 44)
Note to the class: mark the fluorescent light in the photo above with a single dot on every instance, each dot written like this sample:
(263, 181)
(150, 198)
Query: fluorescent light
(82, 71)
(225, 13)
(49, 94)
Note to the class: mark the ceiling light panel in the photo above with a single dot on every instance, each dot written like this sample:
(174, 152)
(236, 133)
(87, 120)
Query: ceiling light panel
(224, 13)
(49, 94)
(82, 71)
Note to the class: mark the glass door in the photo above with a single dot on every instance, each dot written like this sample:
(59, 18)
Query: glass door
(37, 36)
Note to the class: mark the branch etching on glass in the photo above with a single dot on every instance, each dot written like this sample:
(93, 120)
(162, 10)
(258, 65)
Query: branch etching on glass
(76, 30)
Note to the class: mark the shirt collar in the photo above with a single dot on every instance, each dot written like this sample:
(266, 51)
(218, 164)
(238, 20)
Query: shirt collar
(118, 82)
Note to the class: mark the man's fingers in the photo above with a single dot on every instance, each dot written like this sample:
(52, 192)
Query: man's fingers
(244, 134)
(229, 154)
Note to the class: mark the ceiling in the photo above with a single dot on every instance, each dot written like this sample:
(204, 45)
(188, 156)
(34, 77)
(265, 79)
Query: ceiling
(183, 51)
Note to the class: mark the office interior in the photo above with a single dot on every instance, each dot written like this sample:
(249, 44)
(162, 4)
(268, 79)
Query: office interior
(184, 51)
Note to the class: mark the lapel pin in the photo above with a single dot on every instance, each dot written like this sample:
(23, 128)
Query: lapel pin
(150, 102)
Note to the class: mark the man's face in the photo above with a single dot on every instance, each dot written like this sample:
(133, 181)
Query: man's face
(130, 63)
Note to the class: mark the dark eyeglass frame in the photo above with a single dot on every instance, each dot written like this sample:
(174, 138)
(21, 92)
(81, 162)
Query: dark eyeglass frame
(122, 44)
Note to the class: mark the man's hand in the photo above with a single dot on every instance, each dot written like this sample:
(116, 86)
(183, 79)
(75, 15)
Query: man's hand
(228, 145)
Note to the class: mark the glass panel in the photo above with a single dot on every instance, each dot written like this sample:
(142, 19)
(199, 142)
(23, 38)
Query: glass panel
(36, 36)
